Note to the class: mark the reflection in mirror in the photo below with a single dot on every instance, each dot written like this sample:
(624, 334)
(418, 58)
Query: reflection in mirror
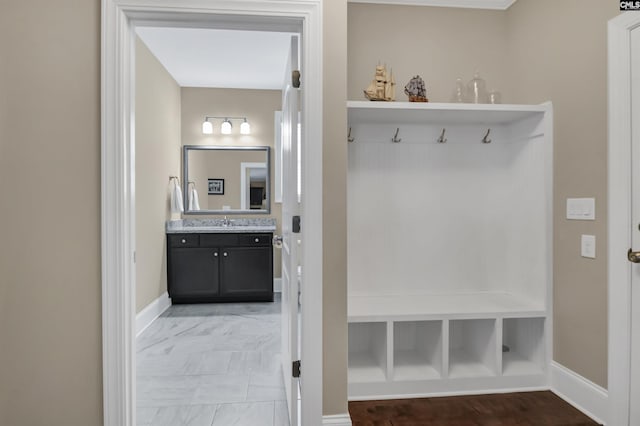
(226, 180)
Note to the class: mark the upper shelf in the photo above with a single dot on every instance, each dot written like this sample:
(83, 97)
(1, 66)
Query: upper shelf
(439, 113)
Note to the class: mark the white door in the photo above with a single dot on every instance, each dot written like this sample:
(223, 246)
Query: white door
(291, 239)
(634, 406)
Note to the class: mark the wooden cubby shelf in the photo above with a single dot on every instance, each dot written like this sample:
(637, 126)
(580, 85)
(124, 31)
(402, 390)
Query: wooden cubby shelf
(367, 352)
(472, 351)
(522, 340)
(449, 248)
(417, 350)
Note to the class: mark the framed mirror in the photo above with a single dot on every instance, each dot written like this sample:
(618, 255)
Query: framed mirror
(226, 179)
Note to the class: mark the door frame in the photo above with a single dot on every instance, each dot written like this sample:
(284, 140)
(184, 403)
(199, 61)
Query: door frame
(619, 209)
(244, 185)
(119, 18)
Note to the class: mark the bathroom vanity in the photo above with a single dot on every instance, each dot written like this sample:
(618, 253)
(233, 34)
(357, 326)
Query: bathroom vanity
(214, 260)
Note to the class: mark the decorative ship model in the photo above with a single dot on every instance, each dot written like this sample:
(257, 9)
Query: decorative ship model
(415, 90)
(382, 87)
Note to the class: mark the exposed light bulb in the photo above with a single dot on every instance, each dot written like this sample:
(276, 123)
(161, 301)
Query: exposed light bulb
(225, 128)
(245, 128)
(207, 127)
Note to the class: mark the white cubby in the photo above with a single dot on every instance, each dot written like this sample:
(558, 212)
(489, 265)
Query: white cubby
(524, 338)
(367, 352)
(472, 348)
(417, 350)
(449, 248)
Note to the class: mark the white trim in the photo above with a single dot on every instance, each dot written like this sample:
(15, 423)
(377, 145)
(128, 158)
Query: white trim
(118, 173)
(468, 4)
(277, 285)
(337, 420)
(277, 157)
(153, 310)
(243, 181)
(583, 394)
(487, 391)
(619, 211)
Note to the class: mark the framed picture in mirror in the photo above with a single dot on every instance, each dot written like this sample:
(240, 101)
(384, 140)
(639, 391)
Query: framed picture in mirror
(215, 186)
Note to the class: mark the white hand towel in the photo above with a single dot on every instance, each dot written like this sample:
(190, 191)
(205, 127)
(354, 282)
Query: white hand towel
(176, 199)
(194, 203)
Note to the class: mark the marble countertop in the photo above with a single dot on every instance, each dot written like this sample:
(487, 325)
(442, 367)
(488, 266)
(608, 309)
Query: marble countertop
(200, 226)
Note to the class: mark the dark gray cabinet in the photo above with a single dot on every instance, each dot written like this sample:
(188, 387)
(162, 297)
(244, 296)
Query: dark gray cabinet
(219, 267)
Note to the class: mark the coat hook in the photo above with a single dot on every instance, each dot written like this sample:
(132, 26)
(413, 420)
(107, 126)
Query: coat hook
(349, 137)
(486, 139)
(395, 138)
(441, 139)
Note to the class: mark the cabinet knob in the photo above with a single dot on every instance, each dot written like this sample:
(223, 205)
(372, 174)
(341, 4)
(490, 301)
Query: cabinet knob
(257, 240)
(184, 241)
(215, 254)
(225, 254)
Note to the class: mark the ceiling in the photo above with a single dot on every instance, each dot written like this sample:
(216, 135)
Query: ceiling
(220, 58)
(243, 59)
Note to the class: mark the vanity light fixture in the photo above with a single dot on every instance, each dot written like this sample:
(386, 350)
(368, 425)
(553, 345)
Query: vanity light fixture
(245, 127)
(207, 127)
(225, 126)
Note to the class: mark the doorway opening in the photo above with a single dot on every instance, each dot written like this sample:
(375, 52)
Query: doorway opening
(215, 353)
(119, 171)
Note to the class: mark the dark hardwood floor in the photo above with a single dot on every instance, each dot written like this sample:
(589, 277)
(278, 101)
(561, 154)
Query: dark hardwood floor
(512, 409)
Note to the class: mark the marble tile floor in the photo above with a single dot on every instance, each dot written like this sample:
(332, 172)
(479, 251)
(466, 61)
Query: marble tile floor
(212, 365)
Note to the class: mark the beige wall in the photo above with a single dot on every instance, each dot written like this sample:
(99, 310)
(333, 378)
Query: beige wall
(439, 44)
(4, 189)
(334, 214)
(157, 158)
(567, 64)
(258, 106)
(50, 288)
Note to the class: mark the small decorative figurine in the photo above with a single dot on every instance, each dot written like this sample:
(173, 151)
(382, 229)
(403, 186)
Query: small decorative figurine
(415, 90)
(382, 87)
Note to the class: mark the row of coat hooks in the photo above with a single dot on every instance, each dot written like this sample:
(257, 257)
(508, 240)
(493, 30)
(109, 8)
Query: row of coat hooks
(441, 138)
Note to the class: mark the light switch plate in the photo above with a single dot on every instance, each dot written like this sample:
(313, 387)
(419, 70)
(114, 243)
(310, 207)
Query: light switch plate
(581, 208)
(588, 246)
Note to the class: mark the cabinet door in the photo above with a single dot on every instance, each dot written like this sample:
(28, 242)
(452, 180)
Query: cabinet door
(194, 272)
(246, 271)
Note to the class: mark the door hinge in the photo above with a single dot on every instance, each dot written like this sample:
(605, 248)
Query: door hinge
(295, 224)
(295, 78)
(296, 369)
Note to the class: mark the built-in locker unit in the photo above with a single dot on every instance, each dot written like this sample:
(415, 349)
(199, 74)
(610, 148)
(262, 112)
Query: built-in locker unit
(449, 248)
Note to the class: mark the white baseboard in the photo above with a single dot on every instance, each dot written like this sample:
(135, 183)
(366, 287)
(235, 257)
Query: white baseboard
(337, 420)
(152, 311)
(277, 285)
(582, 393)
